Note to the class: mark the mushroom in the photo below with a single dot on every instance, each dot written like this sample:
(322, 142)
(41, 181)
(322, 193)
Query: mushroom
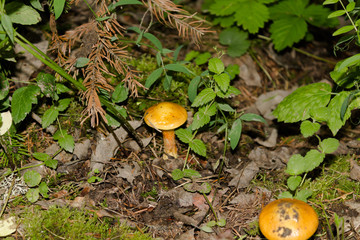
(288, 219)
(166, 116)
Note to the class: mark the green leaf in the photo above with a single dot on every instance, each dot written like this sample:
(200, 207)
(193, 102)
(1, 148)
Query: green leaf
(236, 40)
(113, 6)
(252, 117)
(177, 174)
(7, 25)
(296, 106)
(204, 97)
(298, 164)
(49, 117)
(41, 156)
(206, 229)
(37, 5)
(191, 55)
(120, 93)
(203, 116)
(350, 6)
(82, 62)
(32, 178)
(233, 70)
(51, 163)
(202, 58)
(192, 89)
(154, 40)
(22, 100)
(285, 194)
(343, 29)
(231, 92)
(177, 68)
(167, 82)
(308, 128)
(348, 62)
(43, 190)
(293, 182)
(176, 52)
(216, 66)
(58, 7)
(47, 84)
(32, 194)
(330, 2)
(4, 87)
(223, 81)
(226, 107)
(287, 31)
(317, 15)
(224, 7)
(337, 13)
(221, 222)
(205, 188)
(21, 13)
(329, 145)
(61, 88)
(65, 140)
(252, 15)
(112, 121)
(191, 173)
(198, 147)
(334, 120)
(235, 133)
(288, 8)
(63, 104)
(303, 195)
(153, 77)
(185, 135)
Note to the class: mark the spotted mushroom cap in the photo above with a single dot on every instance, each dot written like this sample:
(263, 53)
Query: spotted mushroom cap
(288, 219)
(165, 116)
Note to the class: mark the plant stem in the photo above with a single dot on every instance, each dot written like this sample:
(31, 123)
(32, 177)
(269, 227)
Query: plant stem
(314, 56)
(211, 207)
(8, 196)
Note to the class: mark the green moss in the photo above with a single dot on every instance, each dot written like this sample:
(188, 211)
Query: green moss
(65, 223)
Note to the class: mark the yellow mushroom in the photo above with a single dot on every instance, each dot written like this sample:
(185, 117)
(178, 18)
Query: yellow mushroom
(166, 116)
(288, 219)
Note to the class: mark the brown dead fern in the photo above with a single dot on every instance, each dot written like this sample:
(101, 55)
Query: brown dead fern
(97, 41)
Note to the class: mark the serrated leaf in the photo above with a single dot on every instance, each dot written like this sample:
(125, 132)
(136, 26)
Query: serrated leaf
(334, 120)
(296, 106)
(231, 92)
(198, 147)
(177, 174)
(216, 66)
(21, 13)
(61, 88)
(224, 7)
(343, 29)
(153, 77)
(32, 194)
(113, 121)
(287, 8)
(49, 117)
(43, 189)
(308, 128)
(22, 100)
(32, 178)
(192, 89)
(329, 145)
(185, 135)
(287, 31)
(63, 104)
(293, 182)
(252, 117)
(285, 194)
(120, 93)
(65, 140)
(191, 173)
(252, 15)
(236, 40)
(232, 70)
(235, 133)
(202, 58)
(204, 97)
(317, 15)
(223, 81)
(203, 116)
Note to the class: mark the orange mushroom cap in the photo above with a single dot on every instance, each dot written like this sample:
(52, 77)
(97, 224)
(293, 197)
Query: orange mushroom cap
(288, 219)
(165, 116)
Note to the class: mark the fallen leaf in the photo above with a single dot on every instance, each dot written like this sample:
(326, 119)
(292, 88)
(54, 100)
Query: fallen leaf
(129, 173)
(7, 226)
(242, 178)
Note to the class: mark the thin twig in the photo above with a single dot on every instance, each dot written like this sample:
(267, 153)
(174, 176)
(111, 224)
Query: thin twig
(8, 196)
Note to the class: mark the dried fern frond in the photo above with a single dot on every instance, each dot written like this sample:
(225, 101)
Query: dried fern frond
(173, 16)
(107, 58)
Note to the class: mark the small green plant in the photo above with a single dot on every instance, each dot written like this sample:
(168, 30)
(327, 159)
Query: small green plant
(94, 178)
(213, 107)
(204, 189)
(289, 21)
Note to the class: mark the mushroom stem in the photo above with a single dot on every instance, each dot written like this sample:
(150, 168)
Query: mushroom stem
(169, 143)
